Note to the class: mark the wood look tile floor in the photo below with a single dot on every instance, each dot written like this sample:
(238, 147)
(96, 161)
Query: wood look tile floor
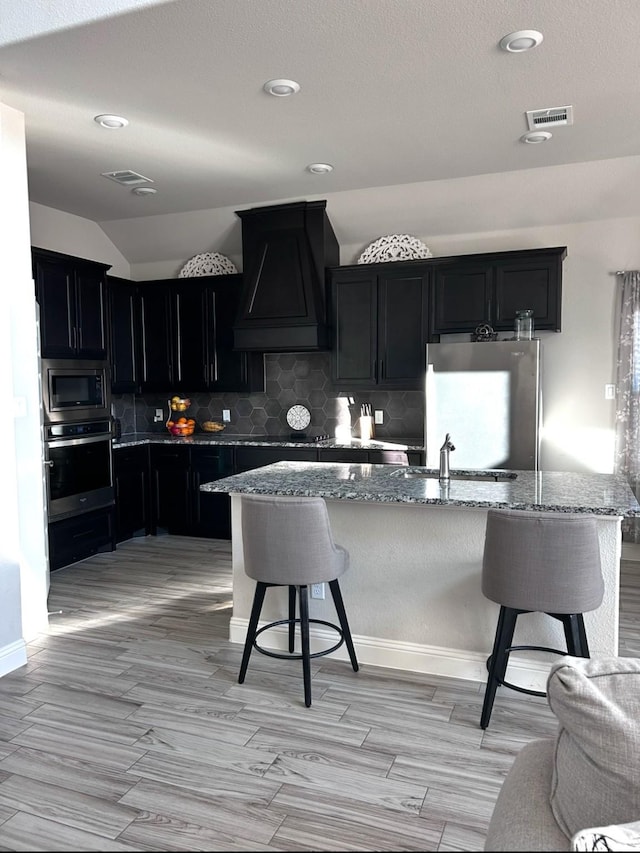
(127, 729)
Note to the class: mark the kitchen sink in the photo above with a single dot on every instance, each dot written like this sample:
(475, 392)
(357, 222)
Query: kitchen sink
(474, 476)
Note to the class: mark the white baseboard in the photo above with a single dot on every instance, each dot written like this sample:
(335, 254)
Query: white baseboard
(433, 660)
(12, 657)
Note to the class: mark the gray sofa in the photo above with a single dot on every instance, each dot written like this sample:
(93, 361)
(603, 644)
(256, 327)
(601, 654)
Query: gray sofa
(581, 789)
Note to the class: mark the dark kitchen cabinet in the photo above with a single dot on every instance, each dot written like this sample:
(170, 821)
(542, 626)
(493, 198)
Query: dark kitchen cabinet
(211, 510)
(474, 289)
(376, 457)
(131, 485)
(71, 294)
(124, 335)
(81, 536)
(380, 322)
(248, 458)
(187, 337)
(179, 507)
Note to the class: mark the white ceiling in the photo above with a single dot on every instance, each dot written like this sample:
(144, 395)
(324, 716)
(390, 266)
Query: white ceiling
(393, 93)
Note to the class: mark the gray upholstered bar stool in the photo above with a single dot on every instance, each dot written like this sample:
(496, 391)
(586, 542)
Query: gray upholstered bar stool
(288, 542)
(543, 562)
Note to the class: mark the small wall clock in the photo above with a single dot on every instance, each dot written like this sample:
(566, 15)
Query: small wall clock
(298, 417)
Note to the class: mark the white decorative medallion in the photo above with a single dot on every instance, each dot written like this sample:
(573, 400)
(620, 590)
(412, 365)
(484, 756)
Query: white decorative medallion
(394, 247)
(208, 263)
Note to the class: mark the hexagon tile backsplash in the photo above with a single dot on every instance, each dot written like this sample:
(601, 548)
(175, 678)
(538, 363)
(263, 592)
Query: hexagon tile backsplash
(291, 378)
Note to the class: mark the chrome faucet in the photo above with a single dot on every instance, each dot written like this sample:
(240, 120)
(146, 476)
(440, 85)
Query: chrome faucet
(444, 457)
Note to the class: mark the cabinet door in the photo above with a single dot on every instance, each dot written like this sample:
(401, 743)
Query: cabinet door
(91, 320)
(211, 510)
(354, 353)
(55, 293)
(156, 340)
(124, 325)
(193, 326)
(131, 481)
(248, 458)
(229, 369)
(534, 284)
(343, 455)
(461, 298)
(171, 484)
(402, 328)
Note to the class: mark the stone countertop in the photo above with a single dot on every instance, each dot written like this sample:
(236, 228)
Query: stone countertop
(553, 491)
(132, 439)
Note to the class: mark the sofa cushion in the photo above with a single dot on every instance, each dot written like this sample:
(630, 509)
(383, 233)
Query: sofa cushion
(596, 772)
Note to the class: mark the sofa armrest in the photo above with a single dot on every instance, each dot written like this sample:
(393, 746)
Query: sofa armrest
(522, 819)
(618, 836)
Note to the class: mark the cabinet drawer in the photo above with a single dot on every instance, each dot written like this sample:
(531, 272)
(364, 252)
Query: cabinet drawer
(215, 460)
(73, 539)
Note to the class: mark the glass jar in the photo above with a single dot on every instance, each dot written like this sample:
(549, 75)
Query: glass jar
(524, 324)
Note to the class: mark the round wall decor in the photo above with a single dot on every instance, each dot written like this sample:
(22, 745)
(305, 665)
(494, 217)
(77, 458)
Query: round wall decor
(298, 417)
(394, 247)
(208, 263)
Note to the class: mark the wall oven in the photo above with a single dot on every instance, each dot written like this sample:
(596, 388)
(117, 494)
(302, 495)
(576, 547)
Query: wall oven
(75, 390)
(78, 458)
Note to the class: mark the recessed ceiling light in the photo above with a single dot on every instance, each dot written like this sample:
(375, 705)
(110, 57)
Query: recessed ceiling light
(144, 191)
(319, 168)
(536, 136)
(281, 88)
(521, 40)
(111, 122)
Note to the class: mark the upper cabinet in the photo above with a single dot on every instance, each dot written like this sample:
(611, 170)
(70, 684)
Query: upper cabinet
(187, 337)
(124, 335)
(490, 288)
(380, 323)
(71, 294)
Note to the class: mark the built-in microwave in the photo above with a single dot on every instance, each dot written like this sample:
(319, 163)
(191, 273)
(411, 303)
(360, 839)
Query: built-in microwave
(74, 390)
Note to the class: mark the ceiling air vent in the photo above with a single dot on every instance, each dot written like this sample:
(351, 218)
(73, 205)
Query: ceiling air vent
(551, 117)
(127, 178)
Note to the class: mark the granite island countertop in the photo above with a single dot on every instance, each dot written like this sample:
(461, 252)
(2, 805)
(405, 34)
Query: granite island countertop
(553, 491)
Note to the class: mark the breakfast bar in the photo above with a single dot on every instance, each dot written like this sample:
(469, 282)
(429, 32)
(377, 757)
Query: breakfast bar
(413, 590)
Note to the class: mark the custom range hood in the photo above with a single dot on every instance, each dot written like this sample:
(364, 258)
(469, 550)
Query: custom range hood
(286, 249)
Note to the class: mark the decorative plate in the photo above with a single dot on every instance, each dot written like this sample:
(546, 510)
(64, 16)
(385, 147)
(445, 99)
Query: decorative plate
(394, 247)
(208, 263)
(298, 417)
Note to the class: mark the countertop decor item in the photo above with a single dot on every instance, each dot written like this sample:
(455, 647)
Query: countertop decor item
(484, 332)
(208, 263)
(394, 247)
(178, 423)
(212, 426)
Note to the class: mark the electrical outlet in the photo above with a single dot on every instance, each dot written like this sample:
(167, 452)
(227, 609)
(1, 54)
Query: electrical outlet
(158, 416)
(379, 416)
(609, 392)
(226, 416)
(317, 590)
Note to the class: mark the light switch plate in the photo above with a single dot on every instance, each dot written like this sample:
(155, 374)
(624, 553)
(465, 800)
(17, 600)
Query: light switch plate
(379, 416)
(609, 392)
(226, 415)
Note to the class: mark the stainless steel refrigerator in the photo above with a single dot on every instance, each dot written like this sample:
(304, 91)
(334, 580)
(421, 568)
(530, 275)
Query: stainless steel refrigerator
(486, 395)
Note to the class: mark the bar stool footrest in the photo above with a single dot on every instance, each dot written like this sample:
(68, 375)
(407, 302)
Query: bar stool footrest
(295, 655)
(502, 683)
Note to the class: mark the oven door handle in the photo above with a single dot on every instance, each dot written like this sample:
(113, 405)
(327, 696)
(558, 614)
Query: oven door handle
(71, 442)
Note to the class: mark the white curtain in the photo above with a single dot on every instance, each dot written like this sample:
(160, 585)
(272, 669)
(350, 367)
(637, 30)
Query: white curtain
(627, 451)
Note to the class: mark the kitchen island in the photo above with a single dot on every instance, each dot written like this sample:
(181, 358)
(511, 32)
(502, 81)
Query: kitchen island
(413, 590)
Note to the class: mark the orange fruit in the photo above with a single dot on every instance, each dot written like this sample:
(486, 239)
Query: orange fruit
(182, 420)
(169, 423)
(191, 421)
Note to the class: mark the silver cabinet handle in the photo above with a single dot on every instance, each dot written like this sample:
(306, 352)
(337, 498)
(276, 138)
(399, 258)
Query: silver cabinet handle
(49, 462)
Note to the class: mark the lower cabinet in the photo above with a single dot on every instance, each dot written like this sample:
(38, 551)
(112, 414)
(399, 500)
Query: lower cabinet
(178, 505)
(376, 457)
(73, 539)
(131, 482)
(255, 457)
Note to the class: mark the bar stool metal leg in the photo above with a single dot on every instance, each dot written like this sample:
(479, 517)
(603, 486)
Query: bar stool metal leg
(498, 660)
(303, 593)
(258, 600)
(574, 633)
(334, 586)
(292, 618)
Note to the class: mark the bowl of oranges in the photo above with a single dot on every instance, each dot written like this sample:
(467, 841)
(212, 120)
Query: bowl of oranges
(182, 426)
